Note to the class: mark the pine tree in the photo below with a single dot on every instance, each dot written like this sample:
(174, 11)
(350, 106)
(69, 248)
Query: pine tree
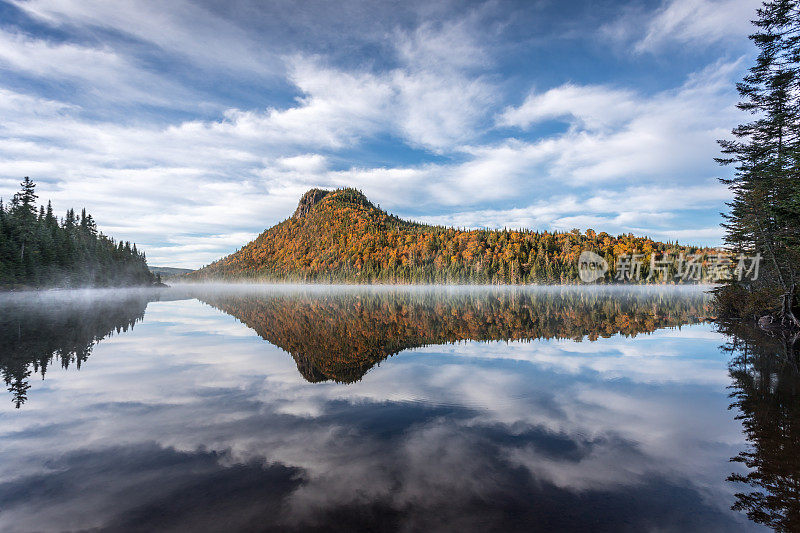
(764, 215)
(24, 211)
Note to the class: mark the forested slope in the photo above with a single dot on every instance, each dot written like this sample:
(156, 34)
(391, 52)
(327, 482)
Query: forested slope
(38, 250)
(340, 236)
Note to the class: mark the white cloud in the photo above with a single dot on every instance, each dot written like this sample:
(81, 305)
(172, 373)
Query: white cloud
(650, 143)
(237, 175)
(619, 135)
(454, 45)
(170, 183)
(647, 210)
(686, 22)
(193, 176)
(593, 107)
(435, 111)
(100, 72)
(177, 27)
(309, 163)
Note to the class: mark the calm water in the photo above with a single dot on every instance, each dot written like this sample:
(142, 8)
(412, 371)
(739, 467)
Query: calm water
(302, 408)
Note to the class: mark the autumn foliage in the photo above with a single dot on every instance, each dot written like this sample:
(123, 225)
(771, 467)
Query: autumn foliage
(340, 236)
(339, 335)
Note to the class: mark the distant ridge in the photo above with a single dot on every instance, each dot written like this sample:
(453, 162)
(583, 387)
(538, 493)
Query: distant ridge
(169, 271)
(340, 236)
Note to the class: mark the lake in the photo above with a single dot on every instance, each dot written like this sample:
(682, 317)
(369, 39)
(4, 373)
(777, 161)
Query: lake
(312, 408)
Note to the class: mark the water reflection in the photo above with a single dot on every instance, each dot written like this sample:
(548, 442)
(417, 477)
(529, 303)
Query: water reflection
(340, 335)
(766, 393)
(192, 422)
(38, 329)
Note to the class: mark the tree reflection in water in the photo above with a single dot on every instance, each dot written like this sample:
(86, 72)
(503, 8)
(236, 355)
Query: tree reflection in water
(36, 330)
(766, 393)
(340, 335)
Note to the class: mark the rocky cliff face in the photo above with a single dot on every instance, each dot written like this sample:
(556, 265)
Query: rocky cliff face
(308, 201)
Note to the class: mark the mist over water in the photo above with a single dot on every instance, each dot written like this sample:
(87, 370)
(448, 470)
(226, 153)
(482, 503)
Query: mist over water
(290, 407)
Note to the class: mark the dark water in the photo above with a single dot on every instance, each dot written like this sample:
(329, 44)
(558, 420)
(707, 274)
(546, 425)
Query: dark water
(306, 408)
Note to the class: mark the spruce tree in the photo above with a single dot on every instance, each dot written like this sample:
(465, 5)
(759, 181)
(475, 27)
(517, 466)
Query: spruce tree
(764, 215)
(24, 213)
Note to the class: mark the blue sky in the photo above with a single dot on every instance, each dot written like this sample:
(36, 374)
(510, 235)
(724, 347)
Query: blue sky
(190, 127)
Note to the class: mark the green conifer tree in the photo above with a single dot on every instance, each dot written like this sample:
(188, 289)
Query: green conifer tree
(764, 215)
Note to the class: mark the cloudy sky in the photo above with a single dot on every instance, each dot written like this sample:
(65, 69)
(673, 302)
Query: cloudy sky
(189, 127)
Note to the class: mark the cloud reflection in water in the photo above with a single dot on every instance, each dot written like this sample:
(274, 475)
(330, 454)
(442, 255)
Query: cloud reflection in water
(193, 422)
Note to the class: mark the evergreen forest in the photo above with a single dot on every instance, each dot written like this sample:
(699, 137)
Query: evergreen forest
(38, 250)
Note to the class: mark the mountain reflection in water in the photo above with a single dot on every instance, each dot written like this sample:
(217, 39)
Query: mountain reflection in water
(340, 335)
(509, 409)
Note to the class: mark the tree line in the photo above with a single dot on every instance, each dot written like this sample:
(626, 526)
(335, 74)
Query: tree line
(39, 250)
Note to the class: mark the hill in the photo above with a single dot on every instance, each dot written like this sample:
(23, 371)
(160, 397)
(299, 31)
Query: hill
(340, 236)
(167, 272)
